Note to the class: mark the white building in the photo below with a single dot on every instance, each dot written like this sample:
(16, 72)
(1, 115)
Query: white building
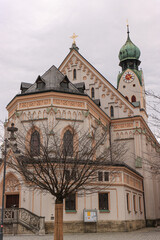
(133, 198)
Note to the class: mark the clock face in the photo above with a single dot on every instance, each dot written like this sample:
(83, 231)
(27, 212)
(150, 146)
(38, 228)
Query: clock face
(128, 77)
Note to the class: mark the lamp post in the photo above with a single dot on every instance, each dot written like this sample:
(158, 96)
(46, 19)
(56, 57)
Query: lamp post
(11, 129)
(3, 191)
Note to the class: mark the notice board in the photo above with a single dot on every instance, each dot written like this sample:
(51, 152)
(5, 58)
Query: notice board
(90, 215)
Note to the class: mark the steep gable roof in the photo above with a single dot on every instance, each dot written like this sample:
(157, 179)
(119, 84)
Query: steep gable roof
(97, 77)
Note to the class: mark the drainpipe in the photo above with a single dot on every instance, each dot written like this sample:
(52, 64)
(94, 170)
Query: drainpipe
(3, 191)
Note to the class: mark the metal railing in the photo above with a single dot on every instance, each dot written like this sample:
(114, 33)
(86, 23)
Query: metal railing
(24, 217)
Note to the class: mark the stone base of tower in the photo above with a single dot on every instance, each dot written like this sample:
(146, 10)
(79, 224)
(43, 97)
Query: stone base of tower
(152, 222)
(101, 226)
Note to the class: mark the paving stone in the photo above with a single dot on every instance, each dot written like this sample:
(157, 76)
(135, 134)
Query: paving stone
(143, 234)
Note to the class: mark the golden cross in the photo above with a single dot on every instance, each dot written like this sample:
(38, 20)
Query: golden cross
(74, 36)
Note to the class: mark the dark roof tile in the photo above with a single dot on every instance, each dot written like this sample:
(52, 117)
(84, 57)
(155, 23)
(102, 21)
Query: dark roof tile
(53, 80)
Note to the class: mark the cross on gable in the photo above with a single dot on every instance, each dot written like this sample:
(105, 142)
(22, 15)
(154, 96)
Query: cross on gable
(74, 36)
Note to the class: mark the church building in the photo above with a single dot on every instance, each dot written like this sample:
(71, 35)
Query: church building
(78, 92)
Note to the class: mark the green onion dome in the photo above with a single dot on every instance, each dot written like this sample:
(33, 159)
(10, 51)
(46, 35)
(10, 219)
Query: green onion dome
(129, 51)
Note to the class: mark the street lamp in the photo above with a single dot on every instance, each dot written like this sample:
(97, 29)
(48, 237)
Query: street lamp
(12, 130)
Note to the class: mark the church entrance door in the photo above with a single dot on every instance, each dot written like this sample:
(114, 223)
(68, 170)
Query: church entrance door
(12, 201)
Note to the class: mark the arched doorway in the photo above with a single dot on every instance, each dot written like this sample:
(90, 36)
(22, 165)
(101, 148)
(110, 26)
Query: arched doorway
(12, 192)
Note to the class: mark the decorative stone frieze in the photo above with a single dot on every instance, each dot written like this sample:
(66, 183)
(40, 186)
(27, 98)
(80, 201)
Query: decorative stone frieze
(68, 103)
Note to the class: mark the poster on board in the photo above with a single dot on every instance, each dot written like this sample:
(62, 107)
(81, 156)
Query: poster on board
(90, 215)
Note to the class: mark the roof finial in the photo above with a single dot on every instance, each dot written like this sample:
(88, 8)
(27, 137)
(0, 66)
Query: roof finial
(127, 28)
(74, 36)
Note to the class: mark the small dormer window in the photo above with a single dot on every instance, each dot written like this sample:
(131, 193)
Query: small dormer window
(65, 82)
(74, 74)
(40, 85)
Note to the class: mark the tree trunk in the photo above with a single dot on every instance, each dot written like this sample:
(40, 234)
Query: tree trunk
(58, 221)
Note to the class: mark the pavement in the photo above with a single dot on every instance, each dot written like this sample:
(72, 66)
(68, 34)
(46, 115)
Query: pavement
(142, 234)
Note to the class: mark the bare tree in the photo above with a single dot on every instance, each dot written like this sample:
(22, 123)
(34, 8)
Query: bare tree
(151, 163)
(64, 165)
(151, 157)
(153, 104)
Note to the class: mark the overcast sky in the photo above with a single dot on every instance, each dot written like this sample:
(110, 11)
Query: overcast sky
(35, 35)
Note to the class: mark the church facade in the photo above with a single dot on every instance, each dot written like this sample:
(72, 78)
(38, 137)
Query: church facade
(77, 93)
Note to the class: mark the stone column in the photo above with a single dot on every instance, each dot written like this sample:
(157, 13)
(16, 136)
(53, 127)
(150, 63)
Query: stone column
(15, 221)
(42, 226)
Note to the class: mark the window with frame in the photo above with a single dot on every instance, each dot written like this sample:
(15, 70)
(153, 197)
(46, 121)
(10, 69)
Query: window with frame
(140, 204)
(134, 203)
(67, 175)
(104, 201)
(144, 103)
(92, 92)
(127, 179)
(133, 99)
(106, 176)
(128, 202)
(35, 143)
(74, 74)
(100, 176)
(138, 162)
(103, 176)
(68, 143)
(111, 111)
(70, 175)
(40, 85)
(73, 174)
(70, 202)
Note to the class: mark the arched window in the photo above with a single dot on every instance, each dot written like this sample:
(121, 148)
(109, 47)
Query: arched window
(68, 143)
(111, 111)
(126, 98)
(74, 74)
(35, 143)
(133, 99)
(92, 92)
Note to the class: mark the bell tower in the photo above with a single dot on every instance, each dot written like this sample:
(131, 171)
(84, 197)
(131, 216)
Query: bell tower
(130, 80)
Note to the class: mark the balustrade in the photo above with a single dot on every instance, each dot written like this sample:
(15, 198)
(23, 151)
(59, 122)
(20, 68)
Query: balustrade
(26, 218)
